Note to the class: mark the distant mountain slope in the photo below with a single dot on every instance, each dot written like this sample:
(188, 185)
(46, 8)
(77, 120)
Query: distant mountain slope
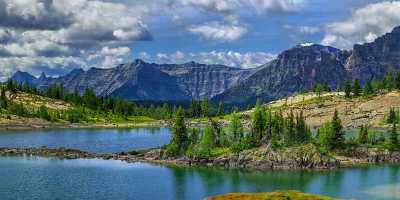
(148, 81)
(299, 68)
(293, 71)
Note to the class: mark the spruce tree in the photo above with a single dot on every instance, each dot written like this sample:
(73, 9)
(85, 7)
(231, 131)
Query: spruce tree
(397, 80)
(179, 135)
(363, 135)
(290, 136)
(347, 89)
(356, 88)
(3, 99)
(393, 138)
(368, 90)
(392, 118)
(337, 131)
(221, 109)
(257, 125)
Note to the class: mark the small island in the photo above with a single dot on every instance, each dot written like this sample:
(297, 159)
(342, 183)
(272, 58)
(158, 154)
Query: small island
(279, 195)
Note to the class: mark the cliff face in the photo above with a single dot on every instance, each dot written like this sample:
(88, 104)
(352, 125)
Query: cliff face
(148, 81)
(294, 70)
(297, 69)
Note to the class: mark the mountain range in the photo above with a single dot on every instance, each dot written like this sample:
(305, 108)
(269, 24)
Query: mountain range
(294, 70)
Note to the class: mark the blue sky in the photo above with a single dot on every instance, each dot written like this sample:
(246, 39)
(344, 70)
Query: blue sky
(56, 36)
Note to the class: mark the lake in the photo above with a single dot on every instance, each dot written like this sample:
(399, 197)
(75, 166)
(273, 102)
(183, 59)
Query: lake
(92, 140)
(50, 178)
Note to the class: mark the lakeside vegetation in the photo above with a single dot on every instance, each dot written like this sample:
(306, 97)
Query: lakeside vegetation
(89, 108)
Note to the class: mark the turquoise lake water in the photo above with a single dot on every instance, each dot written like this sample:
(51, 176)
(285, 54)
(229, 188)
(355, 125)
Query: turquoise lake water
(92, 140)
(47, 178)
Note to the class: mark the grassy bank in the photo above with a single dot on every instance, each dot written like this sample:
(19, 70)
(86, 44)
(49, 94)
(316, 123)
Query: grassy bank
(279, 195)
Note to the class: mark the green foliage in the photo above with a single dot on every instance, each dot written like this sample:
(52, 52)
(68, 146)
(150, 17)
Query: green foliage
(221, 109)
(347, 89)
(393, 117)
(76, 115)
(356, 88)
(44, 113)
(324, 135)
(393, 138)
(206, 142)
(258, 125)
(363, 135)
(18, 109)
(235, 129)
(3, 99)
(179, 139)
(368, 90)
(337, 131)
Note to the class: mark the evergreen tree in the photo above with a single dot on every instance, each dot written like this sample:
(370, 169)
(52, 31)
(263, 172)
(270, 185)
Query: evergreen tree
(324, 135)
(347, 89)
(290, 135)
(302, 131)
(363, 135)
(258, 125)
(179, 134)
(325, 87)
(3, 99)
(206, 142)
(235, 129)
(356, 88)
(368, 90)
(393, 138)
(397, 80)
(337, 131)
(221, 109)
(44, 113)
(392, 118)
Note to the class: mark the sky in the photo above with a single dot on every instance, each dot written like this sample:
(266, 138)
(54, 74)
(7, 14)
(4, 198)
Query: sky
(56, 36)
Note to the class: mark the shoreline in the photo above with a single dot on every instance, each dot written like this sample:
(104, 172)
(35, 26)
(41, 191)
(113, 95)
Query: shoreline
(236, 161)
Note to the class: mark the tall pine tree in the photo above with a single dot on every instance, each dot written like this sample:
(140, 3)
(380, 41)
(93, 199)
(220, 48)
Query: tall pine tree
(337, 131)
(179, 135)
(356, 88)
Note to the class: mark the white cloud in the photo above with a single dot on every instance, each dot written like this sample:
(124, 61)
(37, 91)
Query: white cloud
(365, 25)
(218, 31)
(229, 58)
(276, 6)
(210, 5)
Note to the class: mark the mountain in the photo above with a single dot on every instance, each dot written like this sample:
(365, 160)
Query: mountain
(23, 77)
(297, 69)
(293, 71)
(148, 81)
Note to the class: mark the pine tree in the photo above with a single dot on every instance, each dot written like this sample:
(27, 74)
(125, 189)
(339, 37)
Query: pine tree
(44, 113)
(363, 135)
(392, 118)
(393, 138)
(258, 125)
(347, 89)
(397, 80)
(368, 90)
(356, 88)
(221, 109)
(235, 129)
(337, 131)
(302, 131)
(3, 99)
(290, 136)
(179, 134)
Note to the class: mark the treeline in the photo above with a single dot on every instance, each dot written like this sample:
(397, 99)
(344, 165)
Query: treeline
(88, 103)
(267, 128)
(389, 82)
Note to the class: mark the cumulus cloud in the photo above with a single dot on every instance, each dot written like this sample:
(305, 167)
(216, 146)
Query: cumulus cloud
(276, 6)
(218, 31)
(308, 30)
(365, 25)
(209, 5)
(229, 58)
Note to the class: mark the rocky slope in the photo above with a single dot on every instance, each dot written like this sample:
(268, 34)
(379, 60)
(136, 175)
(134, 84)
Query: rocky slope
(147, 81)
(294, 70)
(299, 68)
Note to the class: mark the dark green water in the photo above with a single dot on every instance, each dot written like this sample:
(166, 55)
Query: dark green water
(43, 178)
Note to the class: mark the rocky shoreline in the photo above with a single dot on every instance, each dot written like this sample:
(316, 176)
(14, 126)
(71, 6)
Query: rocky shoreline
(263, 158)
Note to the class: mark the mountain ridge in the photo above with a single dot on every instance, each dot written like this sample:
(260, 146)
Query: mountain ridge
(294, 70)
